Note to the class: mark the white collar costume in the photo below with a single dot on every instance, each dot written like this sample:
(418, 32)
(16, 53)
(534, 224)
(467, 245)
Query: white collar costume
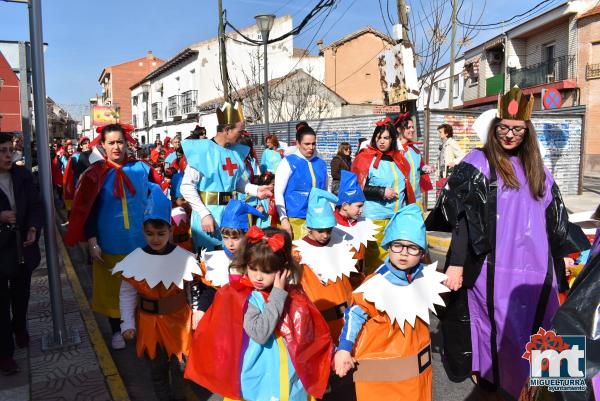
(330, 262)
(217, 267)
(358, 234)
(403, 304)
(173, 268)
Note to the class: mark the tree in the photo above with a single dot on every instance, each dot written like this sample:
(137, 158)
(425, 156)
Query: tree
(430, 25)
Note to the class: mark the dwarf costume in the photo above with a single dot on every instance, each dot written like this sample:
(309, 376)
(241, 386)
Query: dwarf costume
(387, 327)
(326, 268)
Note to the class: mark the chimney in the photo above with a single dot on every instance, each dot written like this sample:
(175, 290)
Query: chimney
(150, 56)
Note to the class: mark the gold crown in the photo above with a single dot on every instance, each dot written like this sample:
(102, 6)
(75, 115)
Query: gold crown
(228, 114)
(515, 105)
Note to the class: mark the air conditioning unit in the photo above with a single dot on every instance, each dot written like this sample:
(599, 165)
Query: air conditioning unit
(442, 84)
(495, 58)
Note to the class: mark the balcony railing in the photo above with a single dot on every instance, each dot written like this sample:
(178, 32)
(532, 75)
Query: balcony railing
(188, 102)
(157, 114)
(173, 106)
(557, 69)
(592, 71)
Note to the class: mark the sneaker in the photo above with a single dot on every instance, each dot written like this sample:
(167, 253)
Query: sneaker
(8, 366)
(22, 338)
(118, 342)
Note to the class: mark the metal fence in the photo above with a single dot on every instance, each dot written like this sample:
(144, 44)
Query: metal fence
(560, 132)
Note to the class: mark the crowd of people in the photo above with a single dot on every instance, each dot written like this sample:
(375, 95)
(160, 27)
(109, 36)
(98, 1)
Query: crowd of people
(275, 279)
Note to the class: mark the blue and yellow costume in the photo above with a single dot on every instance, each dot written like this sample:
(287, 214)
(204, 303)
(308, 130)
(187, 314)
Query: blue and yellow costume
(270, 160)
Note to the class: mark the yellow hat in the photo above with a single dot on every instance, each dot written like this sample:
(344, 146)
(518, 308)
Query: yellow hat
(228, 114)
(515, 105)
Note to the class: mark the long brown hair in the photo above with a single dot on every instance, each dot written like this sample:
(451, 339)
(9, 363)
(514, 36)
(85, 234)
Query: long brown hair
(260, 254)
(529, 155)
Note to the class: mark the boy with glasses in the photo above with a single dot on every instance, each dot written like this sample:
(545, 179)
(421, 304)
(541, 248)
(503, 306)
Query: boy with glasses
(386, 330)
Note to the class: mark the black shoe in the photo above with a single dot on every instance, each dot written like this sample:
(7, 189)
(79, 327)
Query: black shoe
(22, 338)
(8, 366)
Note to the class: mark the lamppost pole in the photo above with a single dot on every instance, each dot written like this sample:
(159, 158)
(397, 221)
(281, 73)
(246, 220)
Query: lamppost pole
(265, 23)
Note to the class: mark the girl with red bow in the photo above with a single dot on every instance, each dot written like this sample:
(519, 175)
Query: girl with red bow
(262, 338)
(107, 213)
(383, 173)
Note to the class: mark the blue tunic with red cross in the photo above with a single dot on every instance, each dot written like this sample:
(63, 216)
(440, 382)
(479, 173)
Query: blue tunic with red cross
(221, 169)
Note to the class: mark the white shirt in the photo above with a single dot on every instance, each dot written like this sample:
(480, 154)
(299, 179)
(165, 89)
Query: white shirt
(282, 175)
(189, 190)
(7, 187)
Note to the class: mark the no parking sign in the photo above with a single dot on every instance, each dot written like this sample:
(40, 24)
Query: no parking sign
(551, 99)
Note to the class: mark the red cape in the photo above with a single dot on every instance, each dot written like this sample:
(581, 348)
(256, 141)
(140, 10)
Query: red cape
(215, 358)
(89, 186)
(57, 176)
(69, 181)
(362, 163)
(425, 181)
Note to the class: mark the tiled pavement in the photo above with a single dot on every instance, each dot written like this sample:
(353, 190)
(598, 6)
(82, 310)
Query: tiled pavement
(71, 373)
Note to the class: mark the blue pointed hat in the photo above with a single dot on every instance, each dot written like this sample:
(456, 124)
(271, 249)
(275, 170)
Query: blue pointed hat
(407, 224)
(236, 213)
(350, 191)
(319, 213)
(158, 206)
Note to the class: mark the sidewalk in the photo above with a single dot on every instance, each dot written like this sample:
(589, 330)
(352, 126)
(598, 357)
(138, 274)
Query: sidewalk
(79, 372)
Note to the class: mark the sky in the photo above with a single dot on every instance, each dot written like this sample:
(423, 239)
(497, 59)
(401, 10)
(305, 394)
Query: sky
(84, 36)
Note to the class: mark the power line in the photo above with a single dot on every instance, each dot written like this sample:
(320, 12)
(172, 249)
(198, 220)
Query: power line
(504, 22)
(513, 23)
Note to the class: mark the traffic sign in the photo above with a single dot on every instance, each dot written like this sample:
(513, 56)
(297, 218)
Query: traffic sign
(551, 99)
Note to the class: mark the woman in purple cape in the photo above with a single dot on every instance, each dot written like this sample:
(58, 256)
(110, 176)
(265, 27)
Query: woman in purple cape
(508, 222)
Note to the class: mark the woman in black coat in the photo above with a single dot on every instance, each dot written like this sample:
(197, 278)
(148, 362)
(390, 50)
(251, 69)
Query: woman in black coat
(21, 218)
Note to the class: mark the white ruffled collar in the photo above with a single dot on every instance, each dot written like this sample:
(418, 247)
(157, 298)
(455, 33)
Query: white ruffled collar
(173, 268)
(403, 304)
(217, 267)
(330, 262)
(364, 230)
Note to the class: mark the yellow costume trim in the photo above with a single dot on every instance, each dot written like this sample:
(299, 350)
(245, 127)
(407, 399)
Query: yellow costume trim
(374, 254)
(298, 227)
(312, 174)
(284, 376)
(397, 203)
(124, 206)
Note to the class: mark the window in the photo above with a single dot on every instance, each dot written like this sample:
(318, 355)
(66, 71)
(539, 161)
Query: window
(135, 101)
(595, 53)
(135, 121)
(474, 80)
(436, 93)
(455, 86)
(548, 58)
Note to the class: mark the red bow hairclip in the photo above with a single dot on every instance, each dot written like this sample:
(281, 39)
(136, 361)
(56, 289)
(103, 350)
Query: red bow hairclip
(385, 121)
(127, 128)
(276, 242)
(401, 117)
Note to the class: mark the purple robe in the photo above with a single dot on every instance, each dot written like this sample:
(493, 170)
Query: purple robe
(522, 263)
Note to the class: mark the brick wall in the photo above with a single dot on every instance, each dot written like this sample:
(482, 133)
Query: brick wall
(588, 33)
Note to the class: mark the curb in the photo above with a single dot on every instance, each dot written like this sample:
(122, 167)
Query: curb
(438, 243)
(113, 378)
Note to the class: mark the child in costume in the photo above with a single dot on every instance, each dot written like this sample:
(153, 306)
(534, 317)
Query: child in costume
(267, 206)
(348, 215)
(159, 275)
(262, 339)
(234, 225)
(327, 261)
(387, 327)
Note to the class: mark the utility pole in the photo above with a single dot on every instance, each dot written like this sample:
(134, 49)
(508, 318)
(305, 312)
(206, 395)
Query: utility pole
(403, 20)
(452, 57)
(223, 54)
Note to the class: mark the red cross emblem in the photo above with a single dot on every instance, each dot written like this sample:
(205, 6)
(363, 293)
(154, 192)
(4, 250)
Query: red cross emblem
(229, 166)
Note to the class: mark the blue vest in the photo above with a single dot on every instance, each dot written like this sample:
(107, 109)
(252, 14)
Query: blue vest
(113, 236)
(386, 175)
(270, 160)
(300, 183)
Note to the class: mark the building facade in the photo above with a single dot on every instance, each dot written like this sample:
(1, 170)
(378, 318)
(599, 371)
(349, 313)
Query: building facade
(435, 91)
(588, 75)
(117, 79)
(352, 66)
(10, 108)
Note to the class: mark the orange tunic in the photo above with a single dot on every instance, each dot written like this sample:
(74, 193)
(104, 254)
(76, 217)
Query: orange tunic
(396, 365)
(173, 331)
(328, 298)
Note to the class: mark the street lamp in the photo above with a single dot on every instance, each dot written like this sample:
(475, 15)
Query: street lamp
(265, 23)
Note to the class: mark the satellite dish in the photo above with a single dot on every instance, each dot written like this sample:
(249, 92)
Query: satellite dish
(513, 62)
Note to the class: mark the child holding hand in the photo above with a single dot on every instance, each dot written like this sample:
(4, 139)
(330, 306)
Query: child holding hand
(386, 330)
(262, 338)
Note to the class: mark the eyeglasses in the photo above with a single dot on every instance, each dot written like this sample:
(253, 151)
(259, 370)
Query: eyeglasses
(398, 247)
(517, 131)
(4, 151)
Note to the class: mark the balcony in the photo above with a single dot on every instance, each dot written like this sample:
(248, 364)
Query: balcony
(157, 113)
(173, 109)
(188, 102)
(494, 85)
(592, 71)
(555, 70)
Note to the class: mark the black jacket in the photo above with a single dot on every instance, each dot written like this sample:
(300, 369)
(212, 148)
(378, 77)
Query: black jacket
(29, 214)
